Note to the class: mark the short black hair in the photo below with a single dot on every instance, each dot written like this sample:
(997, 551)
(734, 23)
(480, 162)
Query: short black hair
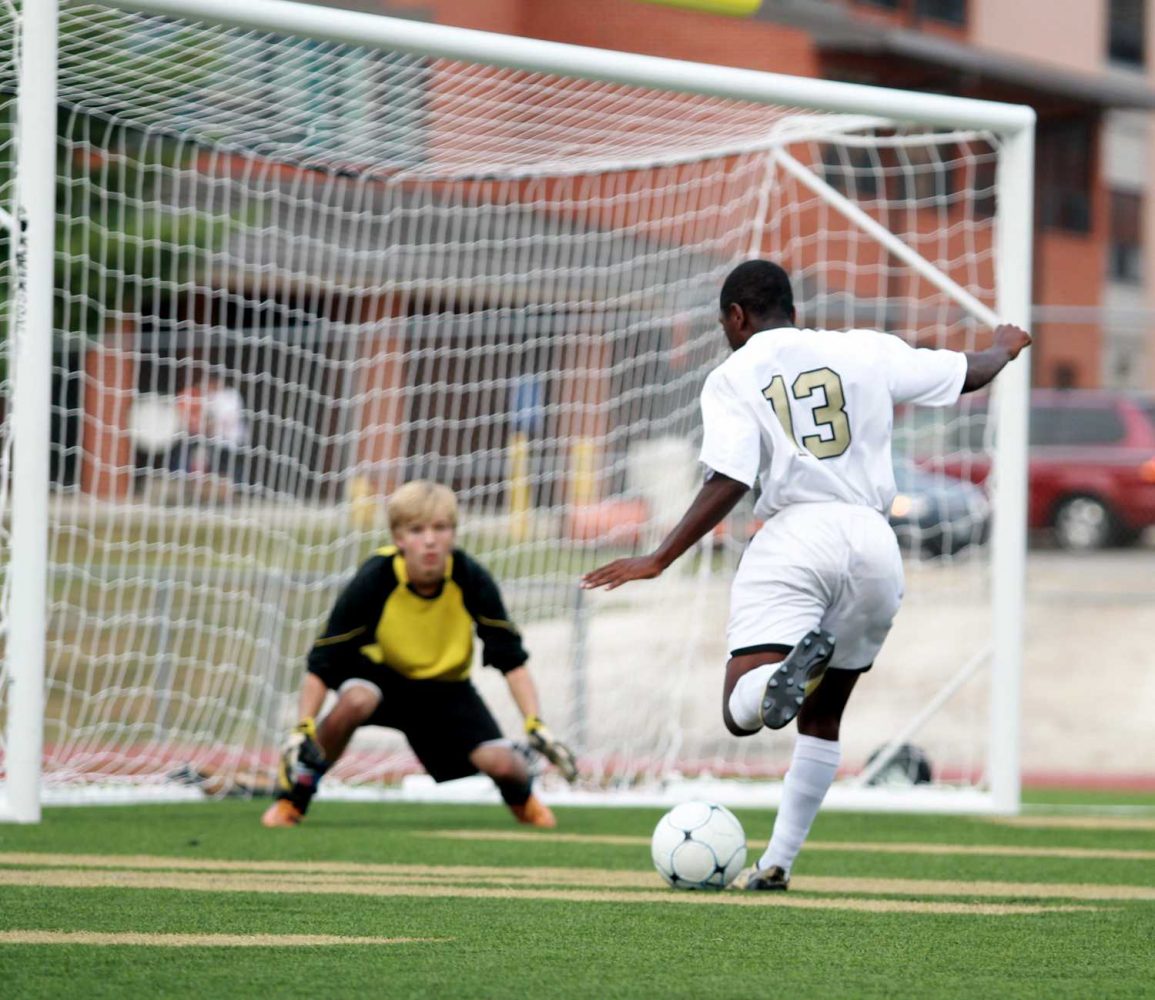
(761, 288)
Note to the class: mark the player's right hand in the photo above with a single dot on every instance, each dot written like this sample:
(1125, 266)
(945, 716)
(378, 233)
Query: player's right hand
(1011, 338)
(621, 571)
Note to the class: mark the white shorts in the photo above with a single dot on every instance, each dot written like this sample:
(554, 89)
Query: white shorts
(833, 566)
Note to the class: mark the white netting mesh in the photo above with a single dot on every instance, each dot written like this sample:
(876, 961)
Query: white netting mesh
(293, 274)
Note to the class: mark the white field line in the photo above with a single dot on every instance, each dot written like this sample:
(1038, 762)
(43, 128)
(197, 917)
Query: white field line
(240, 883)
(309, 875)
(1075, 822)
(848, 847)
(202, 940)
(534, 879)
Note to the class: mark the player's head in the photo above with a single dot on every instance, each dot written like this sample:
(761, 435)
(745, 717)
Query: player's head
(755, 296)
(423, 521)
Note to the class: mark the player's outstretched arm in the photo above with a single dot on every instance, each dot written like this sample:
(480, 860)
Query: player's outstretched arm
(983, 366)
(524, 692)
(717, 497)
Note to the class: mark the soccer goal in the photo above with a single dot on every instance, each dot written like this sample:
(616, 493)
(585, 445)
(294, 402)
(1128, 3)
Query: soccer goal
(262, 262)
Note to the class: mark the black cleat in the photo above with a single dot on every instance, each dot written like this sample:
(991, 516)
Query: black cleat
(796, 676)
(772, 879)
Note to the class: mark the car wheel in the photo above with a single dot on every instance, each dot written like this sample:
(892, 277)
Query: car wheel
(1084, 523)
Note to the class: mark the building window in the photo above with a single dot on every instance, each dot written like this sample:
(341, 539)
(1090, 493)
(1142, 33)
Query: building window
(852, 170)
(1125, 251)
(349, 104)
(1125, 32)
(947, 11)
(926, 174)
(1065, 150)
(984, 182)
(1064, 375)
(950, 11)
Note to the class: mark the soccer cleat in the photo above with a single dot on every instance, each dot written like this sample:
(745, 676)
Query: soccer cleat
(282, 813)
(772, 879)
(534, 812)
(796, 676)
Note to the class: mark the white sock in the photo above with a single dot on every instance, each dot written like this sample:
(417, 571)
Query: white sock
(746, 698)
(811, 773)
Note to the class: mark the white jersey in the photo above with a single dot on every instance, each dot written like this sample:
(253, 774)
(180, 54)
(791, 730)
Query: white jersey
(813, 412)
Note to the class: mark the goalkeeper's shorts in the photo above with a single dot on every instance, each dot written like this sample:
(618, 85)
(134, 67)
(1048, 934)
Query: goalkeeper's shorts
(829, 566)
(444, 721)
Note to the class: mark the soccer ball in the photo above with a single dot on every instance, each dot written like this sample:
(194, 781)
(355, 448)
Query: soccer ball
(699, 845)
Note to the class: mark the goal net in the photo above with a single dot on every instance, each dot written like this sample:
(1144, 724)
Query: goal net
(294, 269)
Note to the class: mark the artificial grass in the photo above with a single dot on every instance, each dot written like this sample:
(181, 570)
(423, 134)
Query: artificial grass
(566, 948)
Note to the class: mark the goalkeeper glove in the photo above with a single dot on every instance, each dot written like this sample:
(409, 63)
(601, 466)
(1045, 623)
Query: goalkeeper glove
(302, 759)
(544, 742)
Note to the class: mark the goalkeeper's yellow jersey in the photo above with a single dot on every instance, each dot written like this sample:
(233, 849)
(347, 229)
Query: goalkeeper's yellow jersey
(379, 616)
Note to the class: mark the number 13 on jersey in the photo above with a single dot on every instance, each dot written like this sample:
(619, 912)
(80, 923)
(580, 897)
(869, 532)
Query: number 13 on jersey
(828, 413)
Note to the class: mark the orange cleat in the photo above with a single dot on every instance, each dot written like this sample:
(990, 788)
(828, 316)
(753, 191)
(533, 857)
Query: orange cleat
(534, 812)
(282, 813)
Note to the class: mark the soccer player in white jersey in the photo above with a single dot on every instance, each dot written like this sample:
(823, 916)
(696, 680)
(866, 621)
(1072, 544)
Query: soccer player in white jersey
(807, 414)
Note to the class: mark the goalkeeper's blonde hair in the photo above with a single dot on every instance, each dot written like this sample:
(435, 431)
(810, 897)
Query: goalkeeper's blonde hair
(419, 501)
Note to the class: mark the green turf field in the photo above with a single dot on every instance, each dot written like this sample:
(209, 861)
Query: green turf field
(456, 901)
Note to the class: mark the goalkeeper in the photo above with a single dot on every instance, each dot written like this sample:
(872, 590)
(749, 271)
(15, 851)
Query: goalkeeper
(397, 650)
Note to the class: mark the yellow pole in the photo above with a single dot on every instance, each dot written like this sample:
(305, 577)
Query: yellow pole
(362, 504)
(583, 481)
(519, 486)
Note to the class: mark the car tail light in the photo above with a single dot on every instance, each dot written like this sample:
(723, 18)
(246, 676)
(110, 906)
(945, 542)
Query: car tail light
(1147, 471)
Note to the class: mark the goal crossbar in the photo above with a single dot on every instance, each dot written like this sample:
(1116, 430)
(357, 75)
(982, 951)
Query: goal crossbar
(594, 64)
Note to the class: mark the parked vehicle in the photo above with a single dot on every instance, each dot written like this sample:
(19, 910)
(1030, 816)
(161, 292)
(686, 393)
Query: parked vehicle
(937, 514)
(1091, 477)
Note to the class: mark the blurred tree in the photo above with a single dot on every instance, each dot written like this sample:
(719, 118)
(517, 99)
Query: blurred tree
(130, 233)
(125, 237)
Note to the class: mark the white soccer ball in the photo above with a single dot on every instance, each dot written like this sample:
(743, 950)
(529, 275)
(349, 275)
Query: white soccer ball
(699, 845)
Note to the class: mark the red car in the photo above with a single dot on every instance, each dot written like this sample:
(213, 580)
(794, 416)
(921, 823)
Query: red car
(1092, 463)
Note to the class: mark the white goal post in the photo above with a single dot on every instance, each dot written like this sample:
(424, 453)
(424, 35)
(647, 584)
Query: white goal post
(273, 259)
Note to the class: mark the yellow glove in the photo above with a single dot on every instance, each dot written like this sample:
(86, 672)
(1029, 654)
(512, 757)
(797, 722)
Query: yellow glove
(556, 752)
(302, 751)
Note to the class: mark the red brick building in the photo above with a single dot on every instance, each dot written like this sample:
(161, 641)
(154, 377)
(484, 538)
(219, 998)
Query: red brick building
(1077, 62)
(1091, 222)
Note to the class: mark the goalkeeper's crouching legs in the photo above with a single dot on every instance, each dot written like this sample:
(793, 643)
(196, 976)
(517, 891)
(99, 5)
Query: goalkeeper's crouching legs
(299, 772)
(510, 772)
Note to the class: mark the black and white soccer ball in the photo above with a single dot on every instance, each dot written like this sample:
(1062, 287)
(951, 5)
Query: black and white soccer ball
(699, 845)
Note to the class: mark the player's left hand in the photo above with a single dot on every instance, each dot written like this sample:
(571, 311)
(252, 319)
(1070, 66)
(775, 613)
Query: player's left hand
(622, 571)
(1012, 338)
(556, 752)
